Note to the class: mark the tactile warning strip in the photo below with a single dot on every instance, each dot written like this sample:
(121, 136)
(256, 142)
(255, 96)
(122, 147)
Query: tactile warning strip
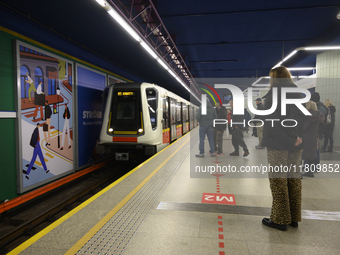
(115, 235)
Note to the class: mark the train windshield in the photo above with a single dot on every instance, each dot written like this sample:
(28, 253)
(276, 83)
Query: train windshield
(125, 108)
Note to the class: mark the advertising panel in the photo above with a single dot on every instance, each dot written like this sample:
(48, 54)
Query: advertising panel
(90, 86)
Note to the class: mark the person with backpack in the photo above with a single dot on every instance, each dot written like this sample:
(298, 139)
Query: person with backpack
(329, 129)
(284, 151)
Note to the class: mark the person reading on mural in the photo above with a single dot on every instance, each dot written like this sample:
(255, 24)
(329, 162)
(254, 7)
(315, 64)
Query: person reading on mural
(35, 143)
(32, 87)
(67, 117)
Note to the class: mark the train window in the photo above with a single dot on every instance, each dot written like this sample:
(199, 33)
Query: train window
(126, 106)
(151, 97)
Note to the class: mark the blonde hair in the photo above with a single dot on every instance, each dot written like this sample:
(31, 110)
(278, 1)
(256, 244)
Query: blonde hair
(311, 106)
(280, 74)
(328, 103)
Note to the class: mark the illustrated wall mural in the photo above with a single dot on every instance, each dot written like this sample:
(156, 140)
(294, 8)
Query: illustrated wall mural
(46, 121)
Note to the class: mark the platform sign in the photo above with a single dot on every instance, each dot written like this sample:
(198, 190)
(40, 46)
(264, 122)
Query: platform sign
(217, 198)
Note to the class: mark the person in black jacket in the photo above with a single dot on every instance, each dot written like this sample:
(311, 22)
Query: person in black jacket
(311, 138)
(221, 112)
(67, 117)
(284, 150)
(206, 128)
(35, 143)
(329, 129)
(237, 134)
(259, 125)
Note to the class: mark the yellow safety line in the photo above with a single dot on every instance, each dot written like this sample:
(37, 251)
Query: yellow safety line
(55, 224)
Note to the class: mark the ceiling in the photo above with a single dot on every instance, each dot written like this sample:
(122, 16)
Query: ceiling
(217, 39)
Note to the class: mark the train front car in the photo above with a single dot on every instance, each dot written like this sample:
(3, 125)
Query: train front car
(133, 121)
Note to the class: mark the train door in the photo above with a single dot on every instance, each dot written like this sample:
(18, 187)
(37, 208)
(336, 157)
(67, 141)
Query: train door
(186, 117)
(173, 107)
(191, 117)
(166, 120)
(179, 119)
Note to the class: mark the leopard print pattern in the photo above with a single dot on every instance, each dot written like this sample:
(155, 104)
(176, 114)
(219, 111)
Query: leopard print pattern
(285, 186)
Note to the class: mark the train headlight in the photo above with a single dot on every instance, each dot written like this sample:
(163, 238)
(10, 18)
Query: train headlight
(140, 130)
(110, 130)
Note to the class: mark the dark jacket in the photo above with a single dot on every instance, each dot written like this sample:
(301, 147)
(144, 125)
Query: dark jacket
(311, 135)
(275, 136)
(329, 129)
(48, 112)
(68, 113)
(34, 137)
(221, 114)
(208, 119)
(238, 119)
(260, 107)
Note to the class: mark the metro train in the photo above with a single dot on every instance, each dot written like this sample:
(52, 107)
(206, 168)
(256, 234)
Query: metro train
(140, 119)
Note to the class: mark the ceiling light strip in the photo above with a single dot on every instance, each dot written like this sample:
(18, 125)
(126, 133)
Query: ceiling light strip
(145, 45)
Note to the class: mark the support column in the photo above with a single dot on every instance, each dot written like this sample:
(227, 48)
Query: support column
(328, 86)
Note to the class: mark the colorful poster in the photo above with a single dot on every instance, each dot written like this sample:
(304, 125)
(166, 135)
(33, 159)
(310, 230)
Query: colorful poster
(90, 86)
(45, 85)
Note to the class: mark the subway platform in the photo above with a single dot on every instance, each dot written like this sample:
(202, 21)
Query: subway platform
(166, 206)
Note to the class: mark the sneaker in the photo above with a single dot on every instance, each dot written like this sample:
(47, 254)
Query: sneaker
(259, 147)
(235, 153)
(201, 155)
(219, 153)
(212, 154)
(267, 222)
(246, 153)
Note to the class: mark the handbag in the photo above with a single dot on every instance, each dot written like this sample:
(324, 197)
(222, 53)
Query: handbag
(45, 127)
(39, 99)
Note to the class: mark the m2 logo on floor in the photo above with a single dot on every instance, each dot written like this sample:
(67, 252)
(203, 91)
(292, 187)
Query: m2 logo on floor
(217, 198)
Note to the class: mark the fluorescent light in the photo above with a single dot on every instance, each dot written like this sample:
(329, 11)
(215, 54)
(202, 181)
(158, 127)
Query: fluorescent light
(300, 68)
(323, 48)
(101, 2)
(161, 62)
(172, 73)
(124, 24)
(149, 50)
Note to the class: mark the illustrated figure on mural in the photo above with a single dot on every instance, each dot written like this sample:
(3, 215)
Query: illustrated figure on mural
(66, 127)
(32, 87)
(47, 124)
(35, 138)
(39, 101)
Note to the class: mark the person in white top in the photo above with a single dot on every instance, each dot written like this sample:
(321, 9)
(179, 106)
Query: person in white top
(32, 87)
(39, 92)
